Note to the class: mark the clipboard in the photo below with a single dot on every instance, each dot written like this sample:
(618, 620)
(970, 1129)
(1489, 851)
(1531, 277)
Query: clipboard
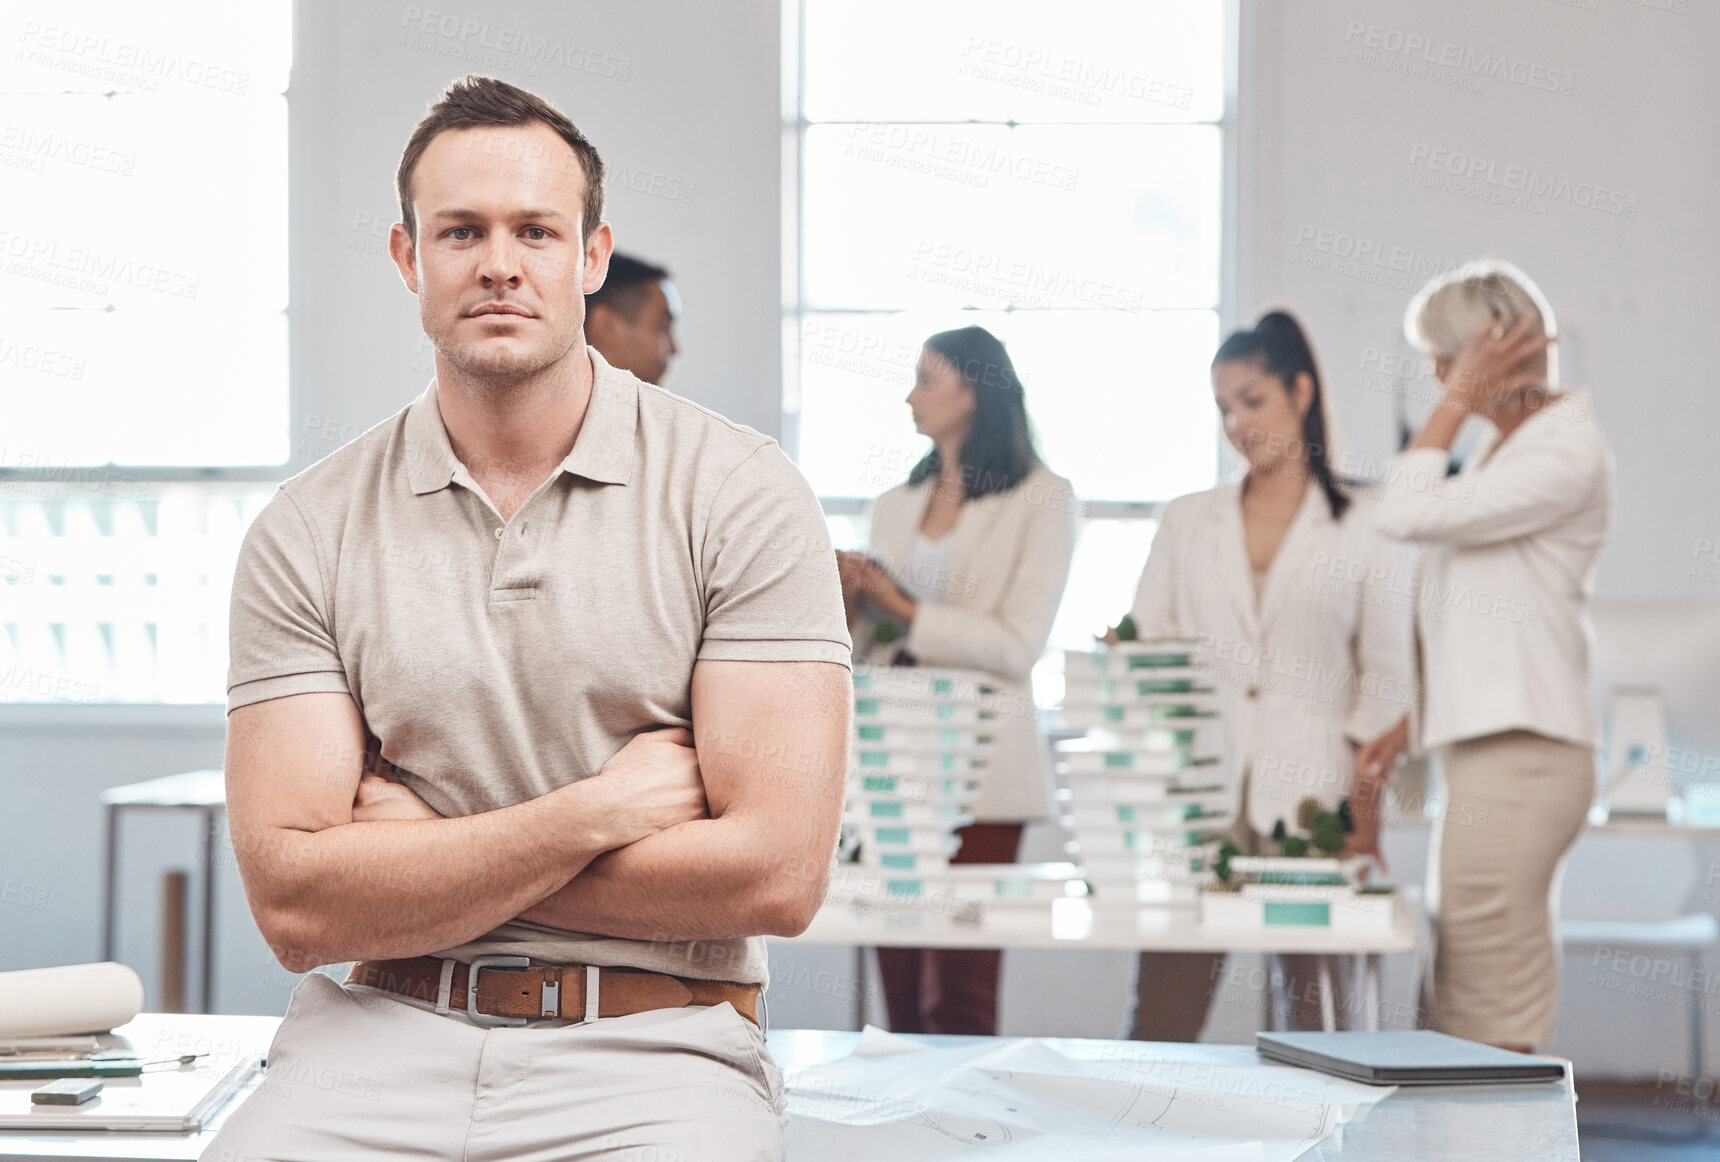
(167, 1101)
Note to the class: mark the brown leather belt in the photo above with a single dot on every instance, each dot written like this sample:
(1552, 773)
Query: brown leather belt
(511, 991)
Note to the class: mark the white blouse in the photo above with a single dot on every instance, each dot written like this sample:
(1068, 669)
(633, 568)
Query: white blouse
(928, 571)
(1508, 550)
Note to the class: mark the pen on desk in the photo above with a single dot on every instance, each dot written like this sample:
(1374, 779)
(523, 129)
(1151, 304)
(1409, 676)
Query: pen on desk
(96, 1066)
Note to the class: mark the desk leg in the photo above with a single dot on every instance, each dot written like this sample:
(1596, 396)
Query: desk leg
(207, 985)
(860, 981)
(110, 874)
(1371, 975)
(1275, 988)
(1328, 1013)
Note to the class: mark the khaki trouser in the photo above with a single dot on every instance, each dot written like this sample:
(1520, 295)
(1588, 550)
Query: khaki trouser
(358, 1074)
(1515, 802)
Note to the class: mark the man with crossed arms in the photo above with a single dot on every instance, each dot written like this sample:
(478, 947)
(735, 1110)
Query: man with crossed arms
(567, 613)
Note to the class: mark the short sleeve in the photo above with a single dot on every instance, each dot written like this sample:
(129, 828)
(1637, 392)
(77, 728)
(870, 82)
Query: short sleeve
(279, 640)
(771, 587)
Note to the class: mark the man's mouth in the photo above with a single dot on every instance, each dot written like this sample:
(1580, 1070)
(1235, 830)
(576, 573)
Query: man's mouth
(501, 309)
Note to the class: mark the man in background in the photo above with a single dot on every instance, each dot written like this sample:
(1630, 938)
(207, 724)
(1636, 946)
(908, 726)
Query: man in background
(630, 319)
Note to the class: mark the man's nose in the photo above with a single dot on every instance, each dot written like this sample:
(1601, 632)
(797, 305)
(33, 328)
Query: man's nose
(500, 262)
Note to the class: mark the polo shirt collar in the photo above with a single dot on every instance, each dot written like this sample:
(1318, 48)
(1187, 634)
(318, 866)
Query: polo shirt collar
(603, 451)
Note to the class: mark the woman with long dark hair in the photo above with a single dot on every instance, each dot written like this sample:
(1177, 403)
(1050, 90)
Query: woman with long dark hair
(1305, 613)
(965, 567)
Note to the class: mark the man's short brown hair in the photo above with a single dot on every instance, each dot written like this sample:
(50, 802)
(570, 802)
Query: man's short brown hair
(475, 102)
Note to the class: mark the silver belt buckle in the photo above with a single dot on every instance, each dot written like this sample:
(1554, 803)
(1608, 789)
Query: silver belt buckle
(472, 970)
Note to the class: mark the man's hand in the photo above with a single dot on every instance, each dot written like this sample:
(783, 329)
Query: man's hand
(656, 785)
(773, 753)
(325, 888)
(380, 798)
(653, 784)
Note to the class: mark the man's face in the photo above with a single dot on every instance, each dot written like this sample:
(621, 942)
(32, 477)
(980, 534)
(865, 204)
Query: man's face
(644, 342)
(499, 266)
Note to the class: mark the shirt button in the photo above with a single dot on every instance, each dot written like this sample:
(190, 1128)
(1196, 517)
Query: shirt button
(498, 534)
(1253, 692)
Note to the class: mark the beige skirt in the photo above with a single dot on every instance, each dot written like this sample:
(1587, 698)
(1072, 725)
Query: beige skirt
(1515, 802)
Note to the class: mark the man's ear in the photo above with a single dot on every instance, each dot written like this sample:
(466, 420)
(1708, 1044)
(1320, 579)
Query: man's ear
(405, 256)
(598, 248)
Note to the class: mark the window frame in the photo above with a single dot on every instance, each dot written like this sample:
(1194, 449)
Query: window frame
(796, 310)
(69, 476)
(56, 483)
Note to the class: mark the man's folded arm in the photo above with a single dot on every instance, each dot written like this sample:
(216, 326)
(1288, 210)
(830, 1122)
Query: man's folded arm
(325, 889)
(772, 741)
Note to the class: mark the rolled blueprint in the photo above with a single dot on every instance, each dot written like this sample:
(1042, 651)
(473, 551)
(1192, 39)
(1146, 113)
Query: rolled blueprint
(75, 998)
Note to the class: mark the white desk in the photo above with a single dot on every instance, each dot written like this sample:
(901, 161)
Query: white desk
(226, 1040)
(1447, 1124)
(1075, 923)
(1437, 1124)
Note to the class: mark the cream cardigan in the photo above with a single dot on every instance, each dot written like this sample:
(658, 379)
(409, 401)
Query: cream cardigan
(1007, 563)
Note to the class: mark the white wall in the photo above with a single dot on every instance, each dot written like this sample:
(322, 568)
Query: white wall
(1328, 146)
(683, 93)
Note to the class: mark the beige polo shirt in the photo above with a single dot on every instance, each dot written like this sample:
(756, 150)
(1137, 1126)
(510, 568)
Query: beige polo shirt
(498, 660)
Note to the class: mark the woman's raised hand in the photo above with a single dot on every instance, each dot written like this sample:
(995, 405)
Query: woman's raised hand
(1495, 364)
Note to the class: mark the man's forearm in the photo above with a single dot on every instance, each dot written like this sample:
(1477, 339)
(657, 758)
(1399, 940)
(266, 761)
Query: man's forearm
(711, 879)
(399, 888)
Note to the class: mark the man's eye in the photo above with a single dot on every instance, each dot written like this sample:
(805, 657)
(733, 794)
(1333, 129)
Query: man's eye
(460, 233)
(536, 233)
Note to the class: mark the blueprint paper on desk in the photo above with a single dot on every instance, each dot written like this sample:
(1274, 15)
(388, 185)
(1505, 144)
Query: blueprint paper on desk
(1025, 1101)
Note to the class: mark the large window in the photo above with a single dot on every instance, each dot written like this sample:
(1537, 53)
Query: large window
(1051, 172)
(143, 335)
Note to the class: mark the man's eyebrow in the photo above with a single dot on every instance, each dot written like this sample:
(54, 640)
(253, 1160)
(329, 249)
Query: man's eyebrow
(461, 214)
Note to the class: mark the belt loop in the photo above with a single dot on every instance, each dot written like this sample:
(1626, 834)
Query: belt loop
(445, 990)
(591, 975)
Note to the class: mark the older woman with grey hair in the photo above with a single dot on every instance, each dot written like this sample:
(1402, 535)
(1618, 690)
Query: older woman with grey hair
(1509, 546)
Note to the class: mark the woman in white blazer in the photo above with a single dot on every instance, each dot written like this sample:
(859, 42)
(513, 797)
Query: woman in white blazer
(1305, 616)
(1509, 547)
(965, 568)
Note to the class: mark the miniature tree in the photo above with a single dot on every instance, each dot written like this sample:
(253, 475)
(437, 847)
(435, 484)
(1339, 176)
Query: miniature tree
(1306, 812)
(1126, 631)
(1221, 865)
(886, 632)
(1328, 832)
(1295, 847)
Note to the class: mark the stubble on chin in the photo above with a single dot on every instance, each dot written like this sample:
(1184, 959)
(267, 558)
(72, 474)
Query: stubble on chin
(493, 364)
